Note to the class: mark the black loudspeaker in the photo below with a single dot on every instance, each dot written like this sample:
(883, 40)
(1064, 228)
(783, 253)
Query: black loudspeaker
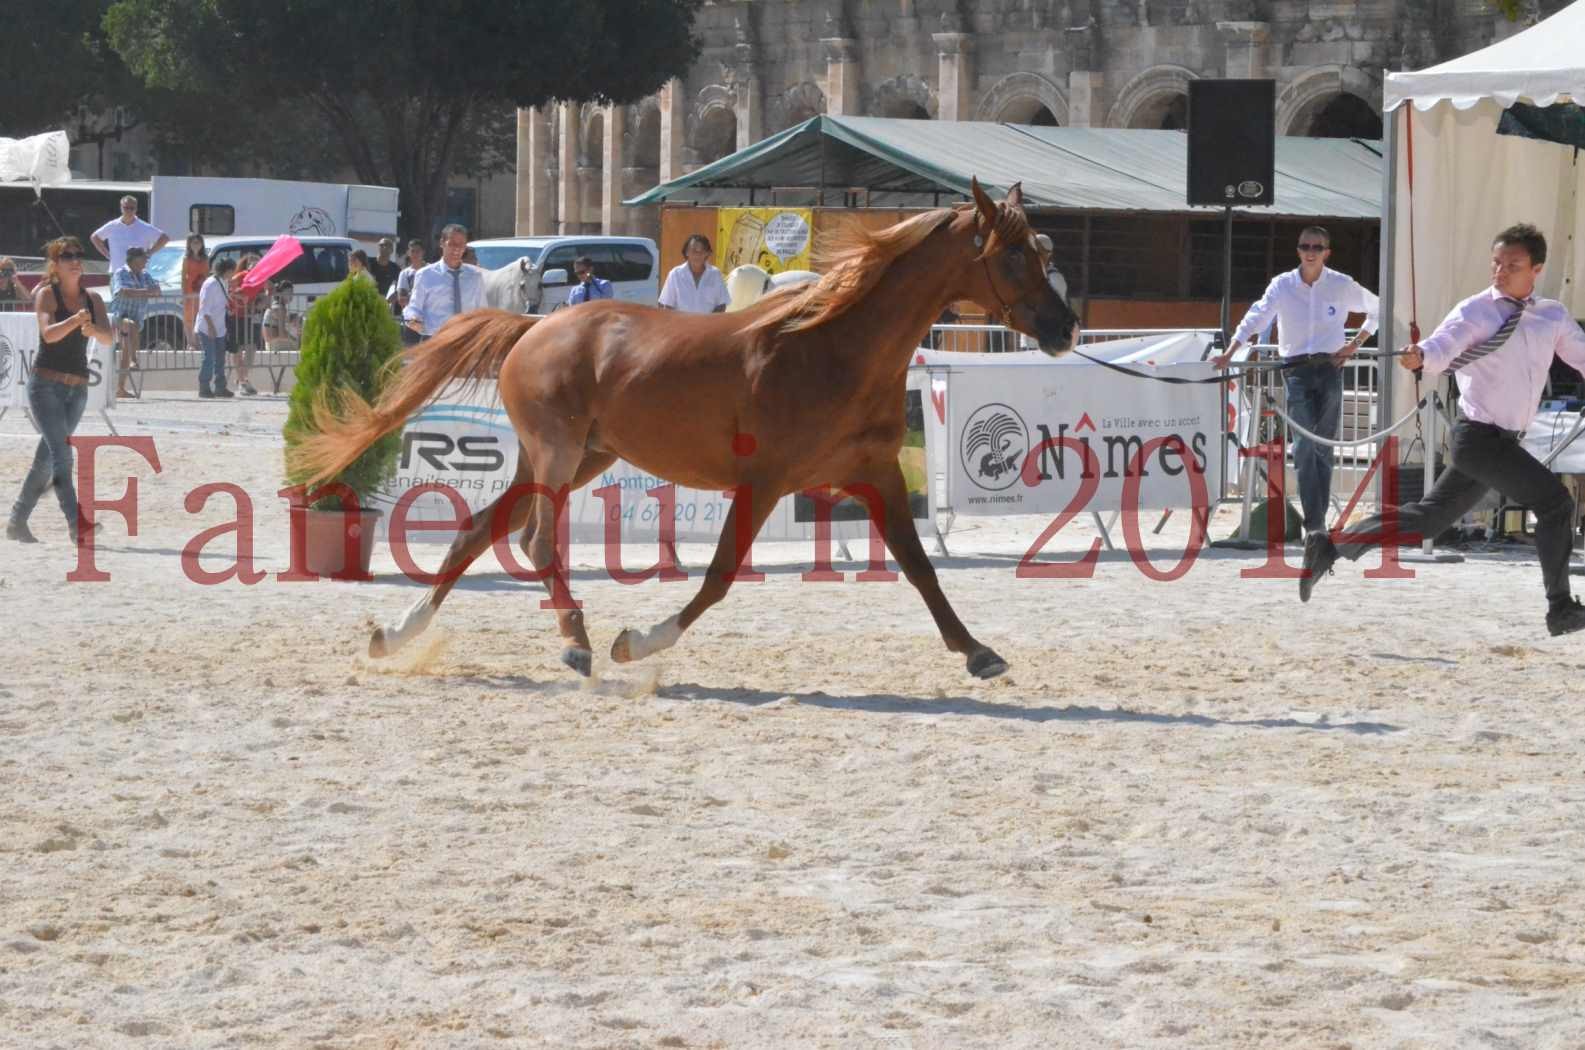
(1232, 141)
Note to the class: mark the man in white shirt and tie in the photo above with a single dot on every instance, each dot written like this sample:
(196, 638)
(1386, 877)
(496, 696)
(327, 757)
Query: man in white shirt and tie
(1499, 343)
(445, 288)
(1311, 305)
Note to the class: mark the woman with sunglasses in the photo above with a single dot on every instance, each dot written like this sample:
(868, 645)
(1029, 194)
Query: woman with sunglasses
(68, 316)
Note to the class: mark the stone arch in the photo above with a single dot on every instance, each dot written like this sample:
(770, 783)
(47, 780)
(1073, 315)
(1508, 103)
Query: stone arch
(714, 134)
(1018, 98)
(798, 103)
(643, 147)
(1152, 99)
(1312, 91)
(591, 135)
(908, 97)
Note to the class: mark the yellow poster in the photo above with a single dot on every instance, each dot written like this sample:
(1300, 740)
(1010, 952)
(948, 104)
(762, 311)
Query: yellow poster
(774, 239)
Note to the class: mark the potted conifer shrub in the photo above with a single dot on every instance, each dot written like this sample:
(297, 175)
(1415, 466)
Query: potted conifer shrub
(351, 343)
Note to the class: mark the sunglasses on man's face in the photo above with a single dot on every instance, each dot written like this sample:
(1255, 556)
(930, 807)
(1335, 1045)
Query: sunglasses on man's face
(71, 256)
(1312, 247)
(8, 273)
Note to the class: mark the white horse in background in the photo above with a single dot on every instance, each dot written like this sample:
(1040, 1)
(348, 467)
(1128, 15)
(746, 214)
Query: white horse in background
(748, 284)
(514, 287)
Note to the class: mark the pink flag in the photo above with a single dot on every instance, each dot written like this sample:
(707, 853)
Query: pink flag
(279, 257)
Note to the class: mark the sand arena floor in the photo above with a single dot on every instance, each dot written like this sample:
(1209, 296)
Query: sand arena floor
(1194, 814)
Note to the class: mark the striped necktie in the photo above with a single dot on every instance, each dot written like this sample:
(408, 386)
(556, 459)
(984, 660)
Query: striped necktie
(1480, 350)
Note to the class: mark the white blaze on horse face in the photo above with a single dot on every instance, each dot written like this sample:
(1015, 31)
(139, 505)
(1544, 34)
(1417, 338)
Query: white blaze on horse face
(410, 625)
(662, 636)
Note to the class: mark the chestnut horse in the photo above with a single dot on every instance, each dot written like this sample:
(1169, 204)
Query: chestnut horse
(804, 389)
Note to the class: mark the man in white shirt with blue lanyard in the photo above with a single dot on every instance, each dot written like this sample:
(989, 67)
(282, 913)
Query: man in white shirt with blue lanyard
(1311, 306)
(1499, 343)
(445, 288)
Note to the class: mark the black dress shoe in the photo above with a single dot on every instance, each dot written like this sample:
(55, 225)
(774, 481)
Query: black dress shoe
(223, 392)
(73, 531)
(1319, 554)
(205, 394)
(18, 530)
(1566, 618)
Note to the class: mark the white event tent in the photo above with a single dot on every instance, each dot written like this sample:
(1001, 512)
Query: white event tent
(1466, 182)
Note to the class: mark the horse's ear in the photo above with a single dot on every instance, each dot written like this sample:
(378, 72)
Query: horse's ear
(983, 202)
(1015, 196)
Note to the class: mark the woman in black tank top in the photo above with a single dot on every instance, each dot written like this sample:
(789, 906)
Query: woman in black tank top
(68, 316)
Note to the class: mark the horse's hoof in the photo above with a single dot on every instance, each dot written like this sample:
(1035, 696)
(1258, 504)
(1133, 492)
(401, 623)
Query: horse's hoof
(580, 660)
(377, 646)
(621, 649)
(986, 664)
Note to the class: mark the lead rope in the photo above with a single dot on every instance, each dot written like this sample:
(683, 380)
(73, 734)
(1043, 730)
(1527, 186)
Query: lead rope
(1414, 291)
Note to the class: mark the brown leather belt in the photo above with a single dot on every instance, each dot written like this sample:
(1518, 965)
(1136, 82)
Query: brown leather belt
(65, 378)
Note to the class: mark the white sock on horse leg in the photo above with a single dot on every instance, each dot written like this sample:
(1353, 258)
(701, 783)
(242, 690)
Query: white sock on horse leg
(663, 635)
(412, 623)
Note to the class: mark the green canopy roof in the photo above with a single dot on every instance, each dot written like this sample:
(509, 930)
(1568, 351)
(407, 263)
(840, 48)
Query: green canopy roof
(1076, 169)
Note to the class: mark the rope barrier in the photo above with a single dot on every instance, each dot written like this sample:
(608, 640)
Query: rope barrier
(1369, 439)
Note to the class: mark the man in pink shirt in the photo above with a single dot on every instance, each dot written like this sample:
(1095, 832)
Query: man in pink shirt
(1499, 344)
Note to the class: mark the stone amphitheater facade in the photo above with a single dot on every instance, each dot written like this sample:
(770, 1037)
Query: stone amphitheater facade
(769, 64)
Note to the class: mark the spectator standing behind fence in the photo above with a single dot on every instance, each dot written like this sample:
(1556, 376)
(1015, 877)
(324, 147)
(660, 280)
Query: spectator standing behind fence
(195, 267)
(213, 316)
(446, 288)
(385, 268)
(694, 286)
(358, 266)
(242, 324)
(589, 286)
(1499, 342)
(131, 288)
(281, 332)
(401, 292)
(116, 236)
(68, 315)
(1311, 305)
(12, 290)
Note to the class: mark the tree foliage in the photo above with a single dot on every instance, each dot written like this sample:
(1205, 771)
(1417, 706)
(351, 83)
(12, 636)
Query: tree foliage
(350, 343)
(397, 85)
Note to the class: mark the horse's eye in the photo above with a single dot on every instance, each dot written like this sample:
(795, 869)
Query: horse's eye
(1015, 255)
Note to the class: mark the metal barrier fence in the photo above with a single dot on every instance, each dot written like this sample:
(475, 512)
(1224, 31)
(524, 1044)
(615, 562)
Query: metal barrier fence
(164, 343)
(1360, 423)
(997, 339)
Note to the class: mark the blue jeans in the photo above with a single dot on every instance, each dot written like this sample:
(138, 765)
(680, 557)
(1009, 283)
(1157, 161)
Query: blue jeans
(1315, 399)
(212, 371)
(57, 409)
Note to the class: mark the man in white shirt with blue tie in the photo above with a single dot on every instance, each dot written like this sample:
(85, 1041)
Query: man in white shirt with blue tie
(1499, 343)
(444, 288)
(1311, 305)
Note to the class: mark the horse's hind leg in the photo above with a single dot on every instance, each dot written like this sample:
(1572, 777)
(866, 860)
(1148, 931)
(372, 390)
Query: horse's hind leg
(729, 555)
(894, 520)
(556, 469)
(468, 545)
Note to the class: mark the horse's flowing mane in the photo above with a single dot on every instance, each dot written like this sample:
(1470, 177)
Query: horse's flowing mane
(855, 259)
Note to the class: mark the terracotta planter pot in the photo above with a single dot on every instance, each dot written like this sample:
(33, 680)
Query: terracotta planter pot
(328, 533)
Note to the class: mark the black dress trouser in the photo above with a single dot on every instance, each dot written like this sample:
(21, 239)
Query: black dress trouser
(1487, 457)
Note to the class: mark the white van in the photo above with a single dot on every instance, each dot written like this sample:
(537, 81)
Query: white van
(321, 267)
(631, 264)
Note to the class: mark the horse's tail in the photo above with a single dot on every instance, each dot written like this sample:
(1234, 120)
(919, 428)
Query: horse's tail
(469, 346)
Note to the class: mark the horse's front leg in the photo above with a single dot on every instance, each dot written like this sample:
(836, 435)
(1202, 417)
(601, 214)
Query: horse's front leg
(885, 492)
(750, 507)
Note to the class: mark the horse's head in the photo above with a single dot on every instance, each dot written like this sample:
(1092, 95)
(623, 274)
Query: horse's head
(1009, 279)
(745, 286)
(513, 287)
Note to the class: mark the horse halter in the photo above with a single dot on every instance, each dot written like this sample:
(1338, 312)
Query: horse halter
(1009, 229)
